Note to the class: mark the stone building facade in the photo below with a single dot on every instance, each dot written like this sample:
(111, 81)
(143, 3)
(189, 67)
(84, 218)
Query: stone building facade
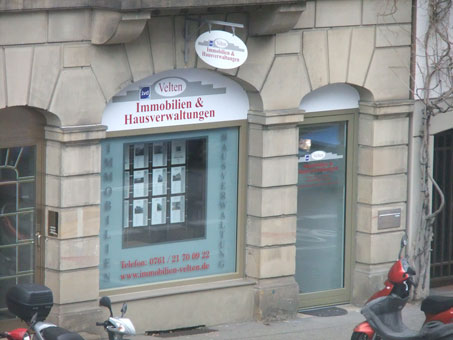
(60, 67)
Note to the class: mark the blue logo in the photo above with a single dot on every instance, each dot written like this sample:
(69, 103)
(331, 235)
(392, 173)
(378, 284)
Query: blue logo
(145, 92)
(307, 158)
(211, 43)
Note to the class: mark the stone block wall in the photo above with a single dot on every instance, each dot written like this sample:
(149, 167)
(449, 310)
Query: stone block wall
(382, 187)
(271, 209)
(48, 61)
(72, 190)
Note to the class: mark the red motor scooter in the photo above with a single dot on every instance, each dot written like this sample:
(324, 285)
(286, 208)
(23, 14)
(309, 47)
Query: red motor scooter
(436, 308)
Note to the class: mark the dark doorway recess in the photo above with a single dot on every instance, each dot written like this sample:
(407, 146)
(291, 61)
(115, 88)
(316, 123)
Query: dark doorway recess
(442, 245)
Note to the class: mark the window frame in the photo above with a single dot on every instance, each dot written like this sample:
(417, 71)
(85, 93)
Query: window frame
(340, 295)
(241, 125)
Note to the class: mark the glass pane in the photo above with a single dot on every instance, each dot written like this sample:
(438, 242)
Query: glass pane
(25, 257)
(26, 195)
(7, 174)
(26, 164)
(13, 156)
(321, 207)
(7, 261)
(8, 229)
(8, 203)
(25, 226)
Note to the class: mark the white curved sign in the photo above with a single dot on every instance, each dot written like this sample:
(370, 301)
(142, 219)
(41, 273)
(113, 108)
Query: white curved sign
(221, 49)
(176, 97)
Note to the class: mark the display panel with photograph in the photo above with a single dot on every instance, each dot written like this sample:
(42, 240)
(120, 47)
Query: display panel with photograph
(159, 154)
(140, 213)
(177, 209)
(178, 179)
(159, 211)
(159, 182)
(140, 156)
(178, 152)
(140, 183)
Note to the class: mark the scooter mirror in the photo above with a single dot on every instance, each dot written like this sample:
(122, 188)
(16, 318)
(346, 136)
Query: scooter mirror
(33, 319)
(404, 241)
(403, 244)
(105, 302)
(123, 309)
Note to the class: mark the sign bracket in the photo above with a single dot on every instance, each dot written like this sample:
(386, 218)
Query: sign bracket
(201, 22)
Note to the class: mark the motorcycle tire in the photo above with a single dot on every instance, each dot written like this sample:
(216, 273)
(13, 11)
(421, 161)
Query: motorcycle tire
(363, 336)
(359, 336)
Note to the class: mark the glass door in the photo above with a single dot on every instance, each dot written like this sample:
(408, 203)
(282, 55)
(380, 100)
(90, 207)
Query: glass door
(324, 196)
(18, 215)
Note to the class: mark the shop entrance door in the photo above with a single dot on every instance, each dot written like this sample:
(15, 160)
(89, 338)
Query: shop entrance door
(324, 210)
(20, 192)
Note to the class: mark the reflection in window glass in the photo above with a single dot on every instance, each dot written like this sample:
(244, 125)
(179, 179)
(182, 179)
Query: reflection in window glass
(8, 229)
(26, 223)
(25, 257)
(13, 155)
(26, 164)
(26, 195)
(7, 261)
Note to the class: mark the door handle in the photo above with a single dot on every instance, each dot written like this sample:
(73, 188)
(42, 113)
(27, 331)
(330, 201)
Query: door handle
(38, 239)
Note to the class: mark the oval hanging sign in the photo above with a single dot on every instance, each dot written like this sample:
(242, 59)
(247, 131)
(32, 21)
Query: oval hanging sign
(221, 49)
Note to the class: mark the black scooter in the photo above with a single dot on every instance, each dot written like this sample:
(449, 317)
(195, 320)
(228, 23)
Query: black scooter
(384, 315)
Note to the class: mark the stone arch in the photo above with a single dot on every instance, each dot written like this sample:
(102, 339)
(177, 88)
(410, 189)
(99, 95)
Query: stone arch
(39, 77)
(22, 123)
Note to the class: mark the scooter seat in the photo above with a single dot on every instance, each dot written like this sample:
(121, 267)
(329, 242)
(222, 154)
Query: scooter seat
(58, 333)
(436, 304)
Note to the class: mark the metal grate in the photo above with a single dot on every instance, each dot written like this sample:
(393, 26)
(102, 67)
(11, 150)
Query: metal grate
(442, 245)
(186, 331)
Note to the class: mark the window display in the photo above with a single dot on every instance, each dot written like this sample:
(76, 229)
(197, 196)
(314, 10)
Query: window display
(167, 189)
(147, 205)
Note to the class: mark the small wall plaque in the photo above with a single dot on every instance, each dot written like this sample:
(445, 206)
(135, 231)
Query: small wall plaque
(389, 218)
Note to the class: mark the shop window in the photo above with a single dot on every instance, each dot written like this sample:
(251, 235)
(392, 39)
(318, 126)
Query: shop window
(168, 207)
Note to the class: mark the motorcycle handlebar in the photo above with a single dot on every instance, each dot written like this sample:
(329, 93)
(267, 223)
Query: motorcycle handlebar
(411, 271)
(99, 323)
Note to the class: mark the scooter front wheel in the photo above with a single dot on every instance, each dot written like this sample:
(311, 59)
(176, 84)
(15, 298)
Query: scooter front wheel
(364, 336)
(359, 336)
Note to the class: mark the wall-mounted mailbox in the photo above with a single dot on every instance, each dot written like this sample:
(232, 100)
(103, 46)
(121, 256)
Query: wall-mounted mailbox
(389, 219)
(52, 223)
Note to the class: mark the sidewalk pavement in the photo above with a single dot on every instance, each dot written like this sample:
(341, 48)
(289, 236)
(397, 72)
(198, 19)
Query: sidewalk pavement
(304, 327)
